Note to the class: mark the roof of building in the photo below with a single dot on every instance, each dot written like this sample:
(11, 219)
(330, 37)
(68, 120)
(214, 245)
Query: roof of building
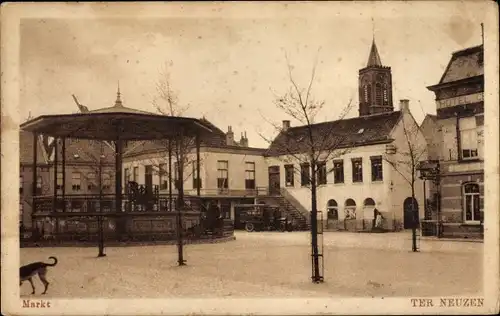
(26, 149)
(215, 139)
(431, 117)
(374, 57)
(358, 131)
(464, 64)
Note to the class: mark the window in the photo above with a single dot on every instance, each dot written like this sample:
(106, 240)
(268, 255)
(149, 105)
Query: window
(39, 183)
(163, 176)
(91, 181)
(76, 181)
(386, 96)
(289, 173)
(350, 209)
(106, 181)
(376, 168)
(338, 171)
(305, 174)
(333, 210)
(369, 203)
(21, 184)
(222, 174)
(196, 181)
(321, 173)
(127, 175)
(468, 138)
(249, 175)
(472, 207)
(357, 170)
(136, 174)
(59, 180)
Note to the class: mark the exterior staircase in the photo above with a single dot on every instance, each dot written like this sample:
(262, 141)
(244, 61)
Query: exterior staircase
(290, 206)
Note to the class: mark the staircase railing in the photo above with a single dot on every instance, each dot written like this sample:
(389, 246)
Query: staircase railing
(296, 204)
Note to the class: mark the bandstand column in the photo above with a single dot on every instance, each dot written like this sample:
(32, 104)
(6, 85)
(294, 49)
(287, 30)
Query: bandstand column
(54, 201)
(198, 181)
(64, 173)
(170, 174)
(118, 175)
(120, 225)
(35, 177)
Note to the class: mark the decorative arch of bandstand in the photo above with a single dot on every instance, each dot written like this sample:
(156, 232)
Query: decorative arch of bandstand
(119, 124)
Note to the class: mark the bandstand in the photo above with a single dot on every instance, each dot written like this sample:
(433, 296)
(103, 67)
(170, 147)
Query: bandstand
(132, 212)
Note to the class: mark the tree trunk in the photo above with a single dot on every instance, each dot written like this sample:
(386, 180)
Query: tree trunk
(414, 211)
(316, 277)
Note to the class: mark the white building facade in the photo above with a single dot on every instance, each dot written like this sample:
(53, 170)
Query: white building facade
(363, 178)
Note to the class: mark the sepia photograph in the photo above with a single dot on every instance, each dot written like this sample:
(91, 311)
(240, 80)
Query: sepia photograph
(264, 158)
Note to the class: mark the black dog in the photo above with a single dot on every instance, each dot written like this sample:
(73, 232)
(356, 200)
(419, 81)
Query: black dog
(28, 271)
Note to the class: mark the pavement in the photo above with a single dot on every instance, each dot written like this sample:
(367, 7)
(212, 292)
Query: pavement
(266, 264)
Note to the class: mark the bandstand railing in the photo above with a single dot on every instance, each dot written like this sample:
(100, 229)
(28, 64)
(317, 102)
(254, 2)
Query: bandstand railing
(76, 218)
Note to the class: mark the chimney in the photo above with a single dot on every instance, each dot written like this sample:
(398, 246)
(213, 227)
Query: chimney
(404, 105)
(286, 125)
(229, 136)
(244, 140)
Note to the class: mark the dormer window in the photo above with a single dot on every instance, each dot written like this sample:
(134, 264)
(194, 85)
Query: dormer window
(361, 130)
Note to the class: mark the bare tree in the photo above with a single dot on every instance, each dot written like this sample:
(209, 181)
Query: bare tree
(166, 102)
(94, 158)
(405, 161)
(310, 146)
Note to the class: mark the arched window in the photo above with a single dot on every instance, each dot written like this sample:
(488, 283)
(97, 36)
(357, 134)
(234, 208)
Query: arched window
(350, 209)
(333, 210)
(378, 93)
(369, 202)
(472, 207)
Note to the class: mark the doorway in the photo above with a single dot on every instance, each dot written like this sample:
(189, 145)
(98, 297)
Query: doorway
(410, 209)
(274, 180)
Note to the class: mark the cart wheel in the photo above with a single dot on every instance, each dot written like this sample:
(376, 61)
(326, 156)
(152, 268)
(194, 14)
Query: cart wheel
(249, 227)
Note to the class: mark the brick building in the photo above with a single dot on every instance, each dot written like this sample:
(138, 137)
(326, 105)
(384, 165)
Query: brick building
(458, 139)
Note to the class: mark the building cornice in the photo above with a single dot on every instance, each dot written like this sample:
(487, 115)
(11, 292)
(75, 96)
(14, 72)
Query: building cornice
(461, 82)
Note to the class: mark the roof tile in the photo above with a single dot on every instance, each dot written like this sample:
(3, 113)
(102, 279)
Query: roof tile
(336, 134)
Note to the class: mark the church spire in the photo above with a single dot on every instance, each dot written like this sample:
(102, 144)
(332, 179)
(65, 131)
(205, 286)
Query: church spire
(374, 58)
(118, 102)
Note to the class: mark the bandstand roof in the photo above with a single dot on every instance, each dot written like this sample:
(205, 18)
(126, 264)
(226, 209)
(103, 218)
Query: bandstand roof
(116, 122)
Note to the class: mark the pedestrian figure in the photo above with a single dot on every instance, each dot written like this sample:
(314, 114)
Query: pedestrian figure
(378, 219)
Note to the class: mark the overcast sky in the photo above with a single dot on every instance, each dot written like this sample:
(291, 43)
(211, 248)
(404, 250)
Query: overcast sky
(225, 60)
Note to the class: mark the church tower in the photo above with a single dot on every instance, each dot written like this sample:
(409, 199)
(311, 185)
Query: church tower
(375, 86)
